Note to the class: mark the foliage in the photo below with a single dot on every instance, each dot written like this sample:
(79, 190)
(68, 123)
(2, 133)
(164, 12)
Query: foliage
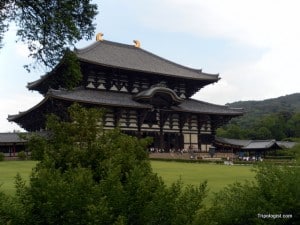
(48, 27)
(277, 118)
(2, 156)
(277, 126)
(22, 155)
(11, 212)
(288, 103)
(91, 176)
(71, 71)
(295, 152)
(275, 192)
(5, 11)
(36, 146)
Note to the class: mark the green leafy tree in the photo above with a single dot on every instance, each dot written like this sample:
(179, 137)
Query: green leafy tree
(263, 133)
(5, 11)
(48, 27)
(294, 125)
(232, 131)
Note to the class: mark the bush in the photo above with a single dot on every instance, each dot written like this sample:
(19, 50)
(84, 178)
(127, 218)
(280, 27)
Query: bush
(22, 155)
(2, 156)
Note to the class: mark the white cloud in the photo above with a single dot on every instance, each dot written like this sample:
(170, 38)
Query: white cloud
(253, 22)
(263, 24)
(10, 106)
(269, 27)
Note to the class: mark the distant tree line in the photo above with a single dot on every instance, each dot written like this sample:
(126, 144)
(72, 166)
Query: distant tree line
(276, 118)
(279, 126)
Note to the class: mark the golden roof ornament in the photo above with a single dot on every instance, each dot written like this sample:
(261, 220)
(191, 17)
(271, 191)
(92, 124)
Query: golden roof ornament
(99, 37)
(137, 43)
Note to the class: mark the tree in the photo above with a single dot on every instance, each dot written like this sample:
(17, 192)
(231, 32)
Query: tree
(5, 11)
(48, 27)
(231, 131)
(90, 176)
(294, 125)
(263, 133)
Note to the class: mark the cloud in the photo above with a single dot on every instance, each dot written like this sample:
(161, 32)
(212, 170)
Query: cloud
(269, 25)
(253, 44)
(10, 106)
(255, 22)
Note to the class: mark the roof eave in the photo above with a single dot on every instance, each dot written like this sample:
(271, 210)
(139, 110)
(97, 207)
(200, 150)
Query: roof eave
(212, 79)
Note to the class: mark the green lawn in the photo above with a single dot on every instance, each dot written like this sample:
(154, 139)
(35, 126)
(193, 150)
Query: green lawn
(218, 176)
(8, 171)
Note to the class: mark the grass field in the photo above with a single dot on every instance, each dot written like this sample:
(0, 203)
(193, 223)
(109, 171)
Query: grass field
(218, 176)
(9, 170)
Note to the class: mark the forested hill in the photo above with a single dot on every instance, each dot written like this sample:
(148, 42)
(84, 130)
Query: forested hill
(289, 103)
(276, 118)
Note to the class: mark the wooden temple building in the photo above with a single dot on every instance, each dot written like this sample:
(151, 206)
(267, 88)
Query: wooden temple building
(12, 143)
(143, 94)
(256, 148)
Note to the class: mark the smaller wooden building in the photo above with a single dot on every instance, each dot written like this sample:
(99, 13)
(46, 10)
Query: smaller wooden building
(11, 144)
(249, 147)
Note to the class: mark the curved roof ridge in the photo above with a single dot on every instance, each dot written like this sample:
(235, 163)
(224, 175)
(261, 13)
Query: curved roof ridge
(182, 66)
(21, 113)
(94, 45)
(213, 104)
(91, 46)
(31, 85)
(177, 64)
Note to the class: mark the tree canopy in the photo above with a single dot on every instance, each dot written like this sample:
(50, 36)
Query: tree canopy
(48, 28)
(277, 118)
(90, 176)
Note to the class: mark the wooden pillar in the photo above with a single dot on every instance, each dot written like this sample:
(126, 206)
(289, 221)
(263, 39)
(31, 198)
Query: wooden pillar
(141, 115)
(14, 150)
(182, 119)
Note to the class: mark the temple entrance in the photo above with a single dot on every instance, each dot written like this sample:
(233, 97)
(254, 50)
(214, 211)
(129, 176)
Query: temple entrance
(173, 141)
(167, 142)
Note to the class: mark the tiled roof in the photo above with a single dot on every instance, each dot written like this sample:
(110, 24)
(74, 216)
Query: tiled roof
(11, 138)
(124, 56)
(261, 144)
(255, 144)
(126, 100)
(286, 144)
(235, 142)
(192, 105)
(109, 98)
(102, 98)
(149, 94)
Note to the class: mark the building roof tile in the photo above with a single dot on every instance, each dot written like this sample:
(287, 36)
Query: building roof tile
(124, 56)
(115, 99)
(8, 138)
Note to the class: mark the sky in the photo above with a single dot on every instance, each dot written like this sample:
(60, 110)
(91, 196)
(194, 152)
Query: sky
(253, 44)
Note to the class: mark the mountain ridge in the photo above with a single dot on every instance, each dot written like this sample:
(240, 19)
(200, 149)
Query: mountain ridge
(289, 103)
